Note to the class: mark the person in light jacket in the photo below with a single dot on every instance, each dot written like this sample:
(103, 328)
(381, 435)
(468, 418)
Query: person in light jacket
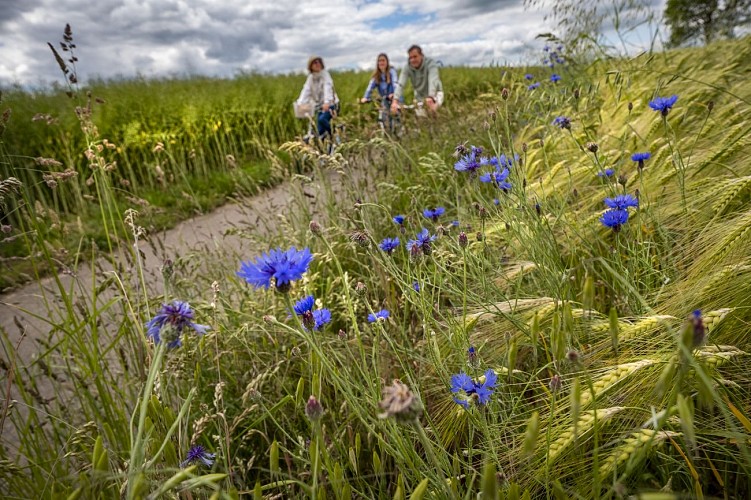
(423, 73)
(319, 90)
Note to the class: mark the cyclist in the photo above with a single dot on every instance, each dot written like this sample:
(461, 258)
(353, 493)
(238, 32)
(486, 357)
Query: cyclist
(423, 73)
(319, 90)
(384, 79)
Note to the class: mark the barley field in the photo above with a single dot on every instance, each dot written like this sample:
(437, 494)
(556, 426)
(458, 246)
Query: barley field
(543, 292)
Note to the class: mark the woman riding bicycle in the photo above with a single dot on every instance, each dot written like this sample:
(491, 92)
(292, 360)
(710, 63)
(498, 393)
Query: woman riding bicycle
(319, 90)
(384, 79)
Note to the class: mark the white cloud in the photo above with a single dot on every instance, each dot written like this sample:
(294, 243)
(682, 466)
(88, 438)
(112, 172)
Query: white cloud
(125, 38)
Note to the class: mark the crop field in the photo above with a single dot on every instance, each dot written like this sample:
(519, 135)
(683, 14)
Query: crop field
(542, 292)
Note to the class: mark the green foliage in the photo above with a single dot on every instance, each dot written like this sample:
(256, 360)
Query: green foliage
(705, 20)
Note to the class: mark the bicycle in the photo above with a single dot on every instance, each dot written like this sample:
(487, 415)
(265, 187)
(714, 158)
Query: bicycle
(385, 117)
(327, 144)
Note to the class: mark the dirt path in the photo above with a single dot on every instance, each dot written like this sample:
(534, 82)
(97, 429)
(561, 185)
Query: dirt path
(213, 243)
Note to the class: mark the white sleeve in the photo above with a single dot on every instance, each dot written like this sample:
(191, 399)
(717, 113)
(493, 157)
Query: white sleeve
(305, 94)
(328, 89)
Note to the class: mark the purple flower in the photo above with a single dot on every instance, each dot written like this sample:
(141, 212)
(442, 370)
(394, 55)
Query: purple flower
(277, 265)
(399, 219)
(528, 76)
(320, 318)
(608, 172)
(416, 286)
(663, 104)
(622, 202)
(433, 213)
(198, 453)
(614, 218)
(388, 245)
(177, 315)
(533, 86)
(473, 390)
(379, 316)
(555, 78)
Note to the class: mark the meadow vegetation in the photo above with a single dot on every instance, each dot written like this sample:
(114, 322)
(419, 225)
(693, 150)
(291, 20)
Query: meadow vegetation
(562, 321)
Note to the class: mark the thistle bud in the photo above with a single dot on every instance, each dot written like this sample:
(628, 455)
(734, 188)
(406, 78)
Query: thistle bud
(630, 106)
(622, 180)
(296, 351)
(479, 236)
(555, 383)
(361, 288)
(463, 241)
(504, 93)
(342, 334)
(576, 93)
(524, 147)
(710, 106)
(315, 228)
(313, 409)
(593, 147)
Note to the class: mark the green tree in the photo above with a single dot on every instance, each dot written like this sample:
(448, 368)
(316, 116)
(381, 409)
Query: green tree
(692, 21)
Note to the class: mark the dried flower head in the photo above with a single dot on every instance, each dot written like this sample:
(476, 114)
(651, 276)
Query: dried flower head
(400, 402)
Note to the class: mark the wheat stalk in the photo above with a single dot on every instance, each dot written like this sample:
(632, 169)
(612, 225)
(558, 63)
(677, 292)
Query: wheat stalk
(612, 378)
(581, 429)
(631, 447)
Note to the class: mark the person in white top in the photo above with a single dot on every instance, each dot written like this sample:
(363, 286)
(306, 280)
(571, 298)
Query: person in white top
(319, 90)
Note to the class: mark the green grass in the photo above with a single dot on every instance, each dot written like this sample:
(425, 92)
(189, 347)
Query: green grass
(602, 389)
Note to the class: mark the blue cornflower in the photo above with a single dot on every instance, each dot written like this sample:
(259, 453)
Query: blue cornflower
(454, 223)
(555, 78)
(640, 158)
(310, 318)
(608, 172)
(177, 315)
(198, 453)
(305, 305)
(320, 318)
(614, 218)
(663, 104)
(422, 243)
(380, 315)
(416, 286)
(469, 162)
(388, 245)
(562, 122)
(528, 76)
(433, 213)
(498, 178)
(399, 219)
(496, 201)
(533, 86)
(473, 390)
(277, 265)
(622, 202)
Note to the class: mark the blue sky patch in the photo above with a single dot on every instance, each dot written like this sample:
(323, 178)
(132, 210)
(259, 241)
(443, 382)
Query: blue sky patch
(399, 18)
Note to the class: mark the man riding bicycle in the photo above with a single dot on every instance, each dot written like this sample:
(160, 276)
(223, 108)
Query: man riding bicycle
(423, 73)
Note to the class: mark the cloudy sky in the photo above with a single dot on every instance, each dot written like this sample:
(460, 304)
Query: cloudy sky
(152, 38)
